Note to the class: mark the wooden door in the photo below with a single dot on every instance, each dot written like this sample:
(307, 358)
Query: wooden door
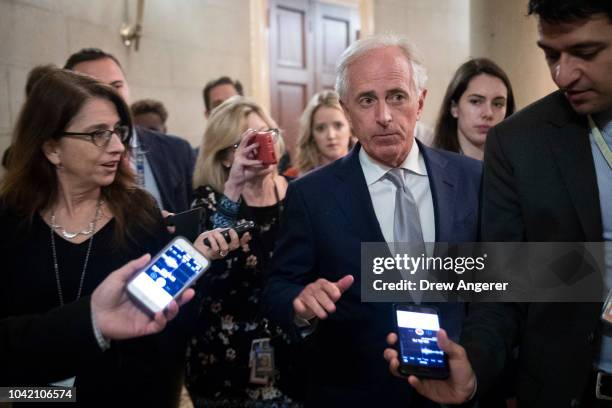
(306, 39)
(291, 65)
(336, 27)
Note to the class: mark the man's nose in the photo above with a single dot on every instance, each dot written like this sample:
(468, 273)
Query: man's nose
(383, 114)
(566, 72)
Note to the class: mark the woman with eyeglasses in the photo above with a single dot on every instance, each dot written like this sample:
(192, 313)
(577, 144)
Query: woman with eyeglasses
(229, 361)
(71, 213)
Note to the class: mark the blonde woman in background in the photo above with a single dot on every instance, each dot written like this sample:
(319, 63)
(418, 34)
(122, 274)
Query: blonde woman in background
(325, 134)
(232, 185)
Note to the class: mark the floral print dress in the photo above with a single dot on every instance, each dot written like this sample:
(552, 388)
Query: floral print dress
(218, 360)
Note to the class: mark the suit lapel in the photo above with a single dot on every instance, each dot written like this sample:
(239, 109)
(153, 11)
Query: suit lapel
(572, 152)
(442, 182)
(353, 197)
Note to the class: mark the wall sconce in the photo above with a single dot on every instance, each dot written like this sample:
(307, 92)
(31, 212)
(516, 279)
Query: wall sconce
(131, 33)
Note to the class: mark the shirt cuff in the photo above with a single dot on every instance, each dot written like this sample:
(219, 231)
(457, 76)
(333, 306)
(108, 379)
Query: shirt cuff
(305, 327)
(103, 343)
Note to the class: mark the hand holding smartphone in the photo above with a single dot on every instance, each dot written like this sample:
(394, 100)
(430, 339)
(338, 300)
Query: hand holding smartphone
(240, 229)
(419, 354)
(166, 276)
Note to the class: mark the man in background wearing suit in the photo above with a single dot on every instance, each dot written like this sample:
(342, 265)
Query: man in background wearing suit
(163, 164)
(331, 211)
(547, 178)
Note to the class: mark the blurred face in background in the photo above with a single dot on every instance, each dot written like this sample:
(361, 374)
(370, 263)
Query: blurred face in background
(220, 94)
(331, 133)
(107, 71)
(480, 107)
(150, 120)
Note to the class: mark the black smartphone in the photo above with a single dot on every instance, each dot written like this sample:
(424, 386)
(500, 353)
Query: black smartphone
(240, 230)
(187, 223)
(419, 354)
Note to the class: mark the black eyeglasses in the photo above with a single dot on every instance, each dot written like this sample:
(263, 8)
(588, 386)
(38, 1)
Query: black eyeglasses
(102, 137)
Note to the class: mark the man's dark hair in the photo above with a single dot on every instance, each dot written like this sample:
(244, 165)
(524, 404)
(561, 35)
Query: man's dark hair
(216, 82)
(89, 54)
(566, 11)
(150, 106)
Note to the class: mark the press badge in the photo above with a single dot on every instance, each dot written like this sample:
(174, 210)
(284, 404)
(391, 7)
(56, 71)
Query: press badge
(261, 361)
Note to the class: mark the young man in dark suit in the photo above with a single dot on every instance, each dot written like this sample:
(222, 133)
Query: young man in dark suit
(331, 211)
(163, 164)
(547, 178)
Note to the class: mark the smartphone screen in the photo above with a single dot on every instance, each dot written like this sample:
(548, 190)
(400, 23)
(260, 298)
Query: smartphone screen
(418, 344)
(167, 275)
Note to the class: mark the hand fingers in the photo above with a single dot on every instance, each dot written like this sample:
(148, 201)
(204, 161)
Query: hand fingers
(245, 238)
(166, 214)
(171, 310)
(186, 296)
(300, 309)
(330, 289)
(325, 301)
(313, 306)
(127, 271)
(246, 137)
(391, 339)
(417, 384)
(157, 324)
(345, 283)
(234, 240)
(450, 347)
(391, 356)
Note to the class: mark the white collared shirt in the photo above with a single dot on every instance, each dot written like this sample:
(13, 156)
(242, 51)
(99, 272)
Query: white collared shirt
(382, 191)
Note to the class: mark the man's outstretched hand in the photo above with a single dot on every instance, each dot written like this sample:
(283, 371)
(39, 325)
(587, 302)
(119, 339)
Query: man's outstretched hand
(319, 298)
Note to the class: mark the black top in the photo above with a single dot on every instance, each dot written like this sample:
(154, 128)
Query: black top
(218, 372)
(140, 370)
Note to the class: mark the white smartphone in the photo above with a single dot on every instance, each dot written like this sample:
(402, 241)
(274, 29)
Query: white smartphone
(167, 275)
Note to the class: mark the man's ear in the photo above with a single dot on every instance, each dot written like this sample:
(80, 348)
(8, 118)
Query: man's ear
(52, 152)
(421, 102)
(454, 110)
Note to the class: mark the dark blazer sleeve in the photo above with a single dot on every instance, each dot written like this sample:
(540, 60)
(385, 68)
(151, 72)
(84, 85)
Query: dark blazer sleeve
(491, 329)
(293, 261)
(49, 347)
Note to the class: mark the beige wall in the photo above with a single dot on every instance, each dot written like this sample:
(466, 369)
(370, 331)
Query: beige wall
(440, 29)
(501, 31)
(188, 42)
(185, 44)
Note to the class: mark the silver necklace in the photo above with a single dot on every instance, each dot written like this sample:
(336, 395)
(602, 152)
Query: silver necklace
(71, 235)
(60, 293)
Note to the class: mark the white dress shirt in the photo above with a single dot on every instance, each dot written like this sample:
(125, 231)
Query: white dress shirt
(382, 191)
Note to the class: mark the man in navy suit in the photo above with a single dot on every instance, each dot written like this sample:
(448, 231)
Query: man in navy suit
(163, 164)
(331, 211)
